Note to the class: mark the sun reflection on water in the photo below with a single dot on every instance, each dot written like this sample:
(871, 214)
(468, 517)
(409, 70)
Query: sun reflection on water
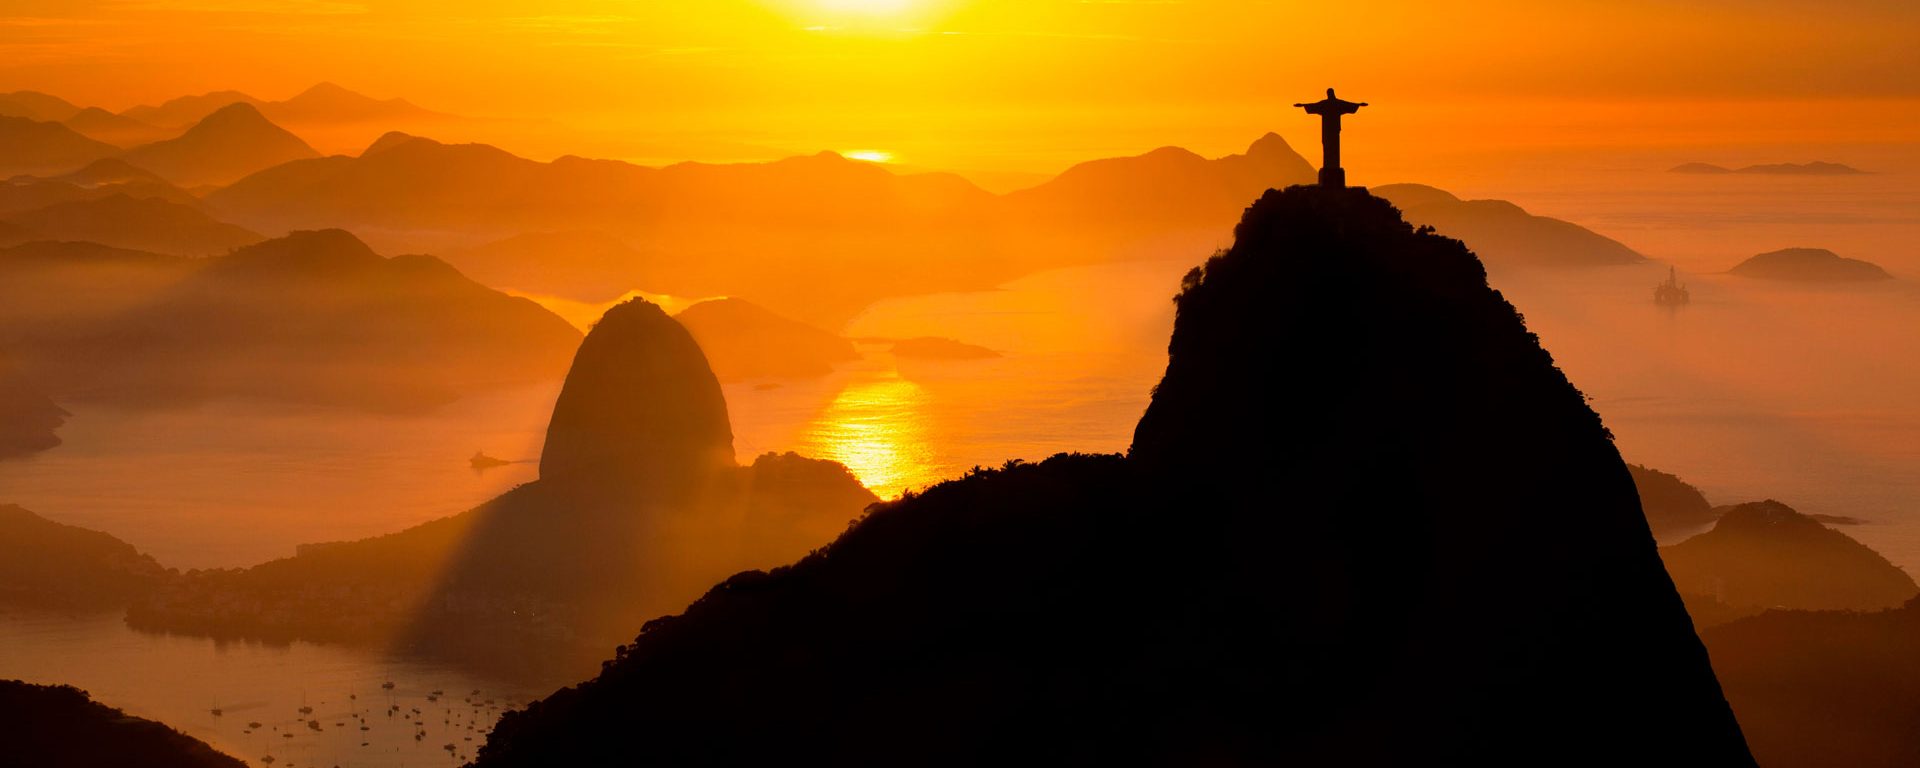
(876, 428)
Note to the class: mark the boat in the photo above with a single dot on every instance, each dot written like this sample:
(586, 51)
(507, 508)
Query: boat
(481, 461)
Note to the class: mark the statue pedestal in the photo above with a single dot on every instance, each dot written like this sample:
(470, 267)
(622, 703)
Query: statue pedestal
(1333, 177)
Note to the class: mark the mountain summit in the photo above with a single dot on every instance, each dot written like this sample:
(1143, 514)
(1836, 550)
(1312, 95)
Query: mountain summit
(232, 142)
(1365, 521)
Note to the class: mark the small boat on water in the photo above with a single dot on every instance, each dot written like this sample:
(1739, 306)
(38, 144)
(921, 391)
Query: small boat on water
(481, 461)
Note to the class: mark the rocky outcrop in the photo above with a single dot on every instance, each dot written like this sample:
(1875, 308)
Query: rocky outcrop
(1302, 561)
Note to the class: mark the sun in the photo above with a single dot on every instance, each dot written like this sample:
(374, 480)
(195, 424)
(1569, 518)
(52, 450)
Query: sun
(865, 16)
(867, 7)
(869, 155)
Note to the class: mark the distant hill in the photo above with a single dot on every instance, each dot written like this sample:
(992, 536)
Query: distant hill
(98, 180)
(582, 265)
(33, 147)
(34, 105)
(118, 130)
(45, 564)
(231, 143)
(322, 103)
(764, 231)
(760, 231)
(187, 110)
(76, 286)
(639, 506)
(1504, 234)
(326, 103)
(28, 419)
(1815, 168)
(44, 725)
(745, 341)
(1809, 265)
(936, 348)
(1302, 560)
(123, 221)
(1764, 555)
(317, 317)
(1671, 505)
(1168, 187)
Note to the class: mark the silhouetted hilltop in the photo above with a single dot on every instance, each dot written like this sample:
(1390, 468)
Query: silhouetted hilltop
(121, 220)
(640, 406)
(46, 564)
(112, 170)
(121, 131)
(582, 265)
(1168, 187)
(745, 341)
(1809, 265)
(330, 103)
(232, 142)
(387, 141)
(30, 146)
(1764, 555)
(184, 111)
(1505, 234)
(316, 317)
(28, 418)
(46, 725)
(1815, 168)
(1671, 505)
(936, 348)
(638, 508)
(70, 287)
(766, 230)
(34, 105)
(1301, 562)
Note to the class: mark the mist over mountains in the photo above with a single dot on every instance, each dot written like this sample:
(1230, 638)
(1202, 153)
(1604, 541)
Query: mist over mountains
(639, 506)
(311, 317)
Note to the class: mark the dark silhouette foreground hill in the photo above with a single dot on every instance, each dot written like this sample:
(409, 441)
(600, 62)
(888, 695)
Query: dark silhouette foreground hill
(1672, 506)
(46, 725)
(44, 564)
(1825, 688)
(639, 508)
(1365, 521)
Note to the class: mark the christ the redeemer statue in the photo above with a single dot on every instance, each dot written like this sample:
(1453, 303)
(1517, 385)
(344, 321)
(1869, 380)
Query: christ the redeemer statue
(1330, 109)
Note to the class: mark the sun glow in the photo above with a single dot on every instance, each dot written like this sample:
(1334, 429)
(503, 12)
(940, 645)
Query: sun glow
(870, 156)
(867, 7)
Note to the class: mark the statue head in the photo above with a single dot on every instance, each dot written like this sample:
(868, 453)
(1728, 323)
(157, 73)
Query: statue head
(1330, 93)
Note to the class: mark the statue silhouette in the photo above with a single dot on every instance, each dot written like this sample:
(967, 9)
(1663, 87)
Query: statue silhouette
(1330, 109)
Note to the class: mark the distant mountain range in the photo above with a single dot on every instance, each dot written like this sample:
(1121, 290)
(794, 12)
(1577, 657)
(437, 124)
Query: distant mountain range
(310, 317)
(1504, 234)
(1816, 168)
(123, 221)
(323, 103)
(640, 505)
(1363, 521)
(232, 142)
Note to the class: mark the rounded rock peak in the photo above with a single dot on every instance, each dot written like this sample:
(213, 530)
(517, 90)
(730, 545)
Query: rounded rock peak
(641, 408)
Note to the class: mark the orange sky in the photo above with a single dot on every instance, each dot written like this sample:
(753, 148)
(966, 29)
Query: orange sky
(1016, 85)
